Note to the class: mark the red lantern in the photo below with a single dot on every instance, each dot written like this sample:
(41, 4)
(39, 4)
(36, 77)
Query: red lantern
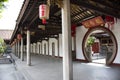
(19, 36)
(44, 12)
(110, 21)
(73, 30)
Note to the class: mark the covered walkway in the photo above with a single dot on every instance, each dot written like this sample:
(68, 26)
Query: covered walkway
(50, 68)
(62, 35)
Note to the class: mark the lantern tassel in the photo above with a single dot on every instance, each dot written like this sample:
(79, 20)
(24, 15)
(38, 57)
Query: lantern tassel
(44, 21)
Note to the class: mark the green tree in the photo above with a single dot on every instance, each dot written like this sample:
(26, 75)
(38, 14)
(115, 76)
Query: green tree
(2, 46)
(2, 5)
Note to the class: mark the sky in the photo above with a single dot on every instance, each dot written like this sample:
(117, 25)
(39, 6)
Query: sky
(10, 14)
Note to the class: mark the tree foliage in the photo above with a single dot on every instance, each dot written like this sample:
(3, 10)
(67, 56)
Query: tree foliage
(2, 5)
(2, 46)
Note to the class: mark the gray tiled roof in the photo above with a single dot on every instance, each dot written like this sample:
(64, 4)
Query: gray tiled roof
(6, 34)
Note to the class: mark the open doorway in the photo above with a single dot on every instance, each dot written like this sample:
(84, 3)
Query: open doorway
(99, 45)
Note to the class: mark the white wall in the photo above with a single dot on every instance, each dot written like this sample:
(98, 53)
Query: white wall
(24, 48)
(60, 45)
(116, 32)
(39, 48)
(34, 48)
(80, 32)
(31, 48)
(45, 42)
(51, 40)
(73, 44)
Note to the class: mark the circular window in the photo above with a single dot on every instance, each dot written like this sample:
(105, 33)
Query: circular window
(100, 45)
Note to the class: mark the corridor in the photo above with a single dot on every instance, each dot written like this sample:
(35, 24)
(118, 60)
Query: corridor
(50, 68)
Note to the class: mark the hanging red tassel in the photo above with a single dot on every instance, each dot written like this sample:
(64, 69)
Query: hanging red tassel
(110, 21)
(44, 21)
(73, 30)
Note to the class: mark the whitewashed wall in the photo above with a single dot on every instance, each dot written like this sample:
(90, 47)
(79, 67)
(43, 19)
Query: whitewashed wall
(51, 40)
(39, 48)
(73, 44)
(60, 45)
(80, 33)
(34, 48)
(31, 48)
(45, 42)
(24, 48)
(116, 32)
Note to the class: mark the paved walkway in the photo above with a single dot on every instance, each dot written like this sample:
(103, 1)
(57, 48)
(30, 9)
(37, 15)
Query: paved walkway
(8, 70)
(50, 68)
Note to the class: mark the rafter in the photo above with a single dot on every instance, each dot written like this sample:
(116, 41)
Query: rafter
(95, 8)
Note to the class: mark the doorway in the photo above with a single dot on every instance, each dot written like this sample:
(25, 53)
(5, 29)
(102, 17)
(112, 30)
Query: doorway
(99, 45)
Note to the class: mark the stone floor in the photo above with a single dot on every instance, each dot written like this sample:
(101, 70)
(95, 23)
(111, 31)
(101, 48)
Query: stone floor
(50, 68)
(8, 70)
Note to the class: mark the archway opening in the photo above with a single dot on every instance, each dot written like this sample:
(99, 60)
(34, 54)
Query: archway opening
(99, 45)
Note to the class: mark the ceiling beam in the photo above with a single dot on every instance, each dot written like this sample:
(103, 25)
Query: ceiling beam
(79, 13)
(95, 8)
(30, 10)
(104, 2)
(34, 17)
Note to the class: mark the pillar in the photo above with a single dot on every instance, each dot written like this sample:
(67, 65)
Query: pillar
(28, 48)
(58, 46)
(22, 56)
(18, 49)
(66, 39)
(15, 49)
(48, 47)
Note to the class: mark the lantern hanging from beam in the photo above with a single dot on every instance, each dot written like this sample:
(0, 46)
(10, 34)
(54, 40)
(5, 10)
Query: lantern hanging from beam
(44, 12)
(73, 30)
(110, 21)
(19, 36)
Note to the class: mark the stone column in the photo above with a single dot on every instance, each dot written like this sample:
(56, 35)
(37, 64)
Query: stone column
(28, 48)
(15, 49)
(18, 49)
(66, 40)
(58, 46)
(22, 56)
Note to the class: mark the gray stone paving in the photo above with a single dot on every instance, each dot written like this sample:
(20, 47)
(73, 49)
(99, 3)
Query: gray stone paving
(50, 68)
(8, 72)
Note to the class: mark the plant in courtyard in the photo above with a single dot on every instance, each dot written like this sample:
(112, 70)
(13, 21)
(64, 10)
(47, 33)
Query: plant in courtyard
(2, 46)
(90, 41)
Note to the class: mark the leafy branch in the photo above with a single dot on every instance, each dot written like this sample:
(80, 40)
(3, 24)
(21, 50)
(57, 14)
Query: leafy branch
(90, 41)
(2, 5)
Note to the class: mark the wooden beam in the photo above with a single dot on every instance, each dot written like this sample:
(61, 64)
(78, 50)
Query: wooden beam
(82, 19)
(104, 3)
(34, 17)
(30, 10)
(95, 8)
(78, 13)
